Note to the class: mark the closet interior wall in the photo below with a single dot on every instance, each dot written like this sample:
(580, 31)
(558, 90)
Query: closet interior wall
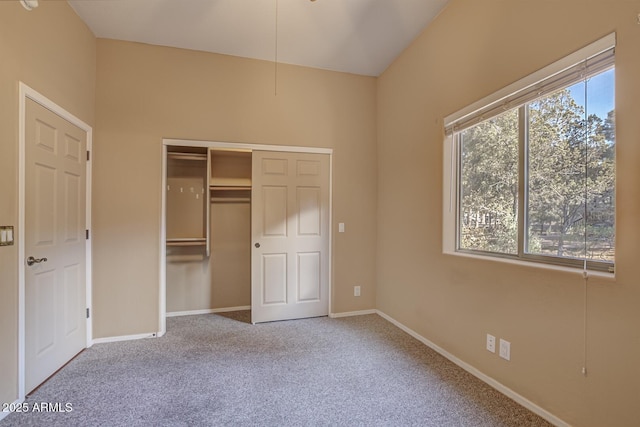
(216, 274)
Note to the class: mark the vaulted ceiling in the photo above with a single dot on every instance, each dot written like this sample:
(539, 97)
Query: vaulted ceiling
(353, 36)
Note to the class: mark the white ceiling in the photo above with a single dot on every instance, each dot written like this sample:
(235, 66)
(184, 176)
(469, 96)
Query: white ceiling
(354, 36)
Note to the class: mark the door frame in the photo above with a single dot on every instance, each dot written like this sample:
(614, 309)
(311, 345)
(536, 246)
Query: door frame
(162, 321)
(26, 92)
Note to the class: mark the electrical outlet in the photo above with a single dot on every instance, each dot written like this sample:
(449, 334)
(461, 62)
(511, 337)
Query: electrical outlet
(356, 291)
(491, 343)
(505, 349)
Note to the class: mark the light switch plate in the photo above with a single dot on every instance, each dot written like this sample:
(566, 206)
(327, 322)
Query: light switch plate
(341, 227)
(505, 349)
(6, 235)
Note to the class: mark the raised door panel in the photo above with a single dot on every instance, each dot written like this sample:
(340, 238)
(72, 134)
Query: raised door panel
(44, 297)
(274, 279)
(309, 276)
(73, 208)
(71, 283)
(274, 211)
(309, 213)
(45, 215)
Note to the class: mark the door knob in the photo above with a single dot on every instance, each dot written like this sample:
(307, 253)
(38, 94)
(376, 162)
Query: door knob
(257, 245)
(31, 260)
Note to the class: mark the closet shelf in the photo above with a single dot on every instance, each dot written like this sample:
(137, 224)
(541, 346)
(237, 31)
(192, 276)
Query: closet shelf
(230, 200)
(229, 181)
(186, 156)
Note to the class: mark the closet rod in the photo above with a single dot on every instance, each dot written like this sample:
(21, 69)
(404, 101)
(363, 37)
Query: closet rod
(188, 241)
(186, 156)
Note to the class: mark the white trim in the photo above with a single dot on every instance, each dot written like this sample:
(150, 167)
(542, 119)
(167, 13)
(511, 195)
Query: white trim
(22, 101)
(576, 270)
(162, 300)
(449, 194)
(89, 244)
(124, 338)
(208, 311)
(24, 93)
(352, 313)
(245, 146)
(478, 374)
(599, 46)
(330, 293)
(162, 296)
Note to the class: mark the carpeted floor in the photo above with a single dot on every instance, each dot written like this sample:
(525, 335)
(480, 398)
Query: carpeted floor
(218, 370)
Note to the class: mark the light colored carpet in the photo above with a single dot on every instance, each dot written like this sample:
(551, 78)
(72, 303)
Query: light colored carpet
(218, 370)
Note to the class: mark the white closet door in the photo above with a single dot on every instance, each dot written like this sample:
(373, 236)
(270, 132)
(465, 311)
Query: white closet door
(290, 236)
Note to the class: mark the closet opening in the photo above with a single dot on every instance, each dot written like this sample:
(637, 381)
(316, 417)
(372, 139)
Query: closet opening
(245, 228)
(208, 230)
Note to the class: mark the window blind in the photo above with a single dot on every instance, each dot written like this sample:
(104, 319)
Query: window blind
(588, 61)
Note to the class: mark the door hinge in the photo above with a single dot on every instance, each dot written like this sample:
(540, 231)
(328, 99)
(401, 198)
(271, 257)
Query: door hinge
(88, 155)
(87, 234)
(87, 313)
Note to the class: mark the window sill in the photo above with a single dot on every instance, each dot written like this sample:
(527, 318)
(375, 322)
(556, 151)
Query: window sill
(577, 271)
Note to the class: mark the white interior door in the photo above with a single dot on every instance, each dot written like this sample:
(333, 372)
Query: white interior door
(290, 236)
(55, 221)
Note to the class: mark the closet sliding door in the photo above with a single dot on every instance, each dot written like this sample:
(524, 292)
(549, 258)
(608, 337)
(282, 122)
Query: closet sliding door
(290, 236)
(246, 228)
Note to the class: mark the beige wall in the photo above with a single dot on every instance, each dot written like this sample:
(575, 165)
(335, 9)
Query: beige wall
(473, 49)
(145, 93)
(53, 52)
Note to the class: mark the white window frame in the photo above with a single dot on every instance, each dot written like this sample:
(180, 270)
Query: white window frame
(500, 98)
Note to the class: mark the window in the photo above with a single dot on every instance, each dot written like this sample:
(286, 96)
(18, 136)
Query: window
(532, 175)
(488, 191)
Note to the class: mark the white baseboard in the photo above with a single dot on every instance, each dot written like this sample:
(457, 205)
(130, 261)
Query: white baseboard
(208, 311)
(124, 338)
(352, 313)
(478, 374)
(5, 413)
